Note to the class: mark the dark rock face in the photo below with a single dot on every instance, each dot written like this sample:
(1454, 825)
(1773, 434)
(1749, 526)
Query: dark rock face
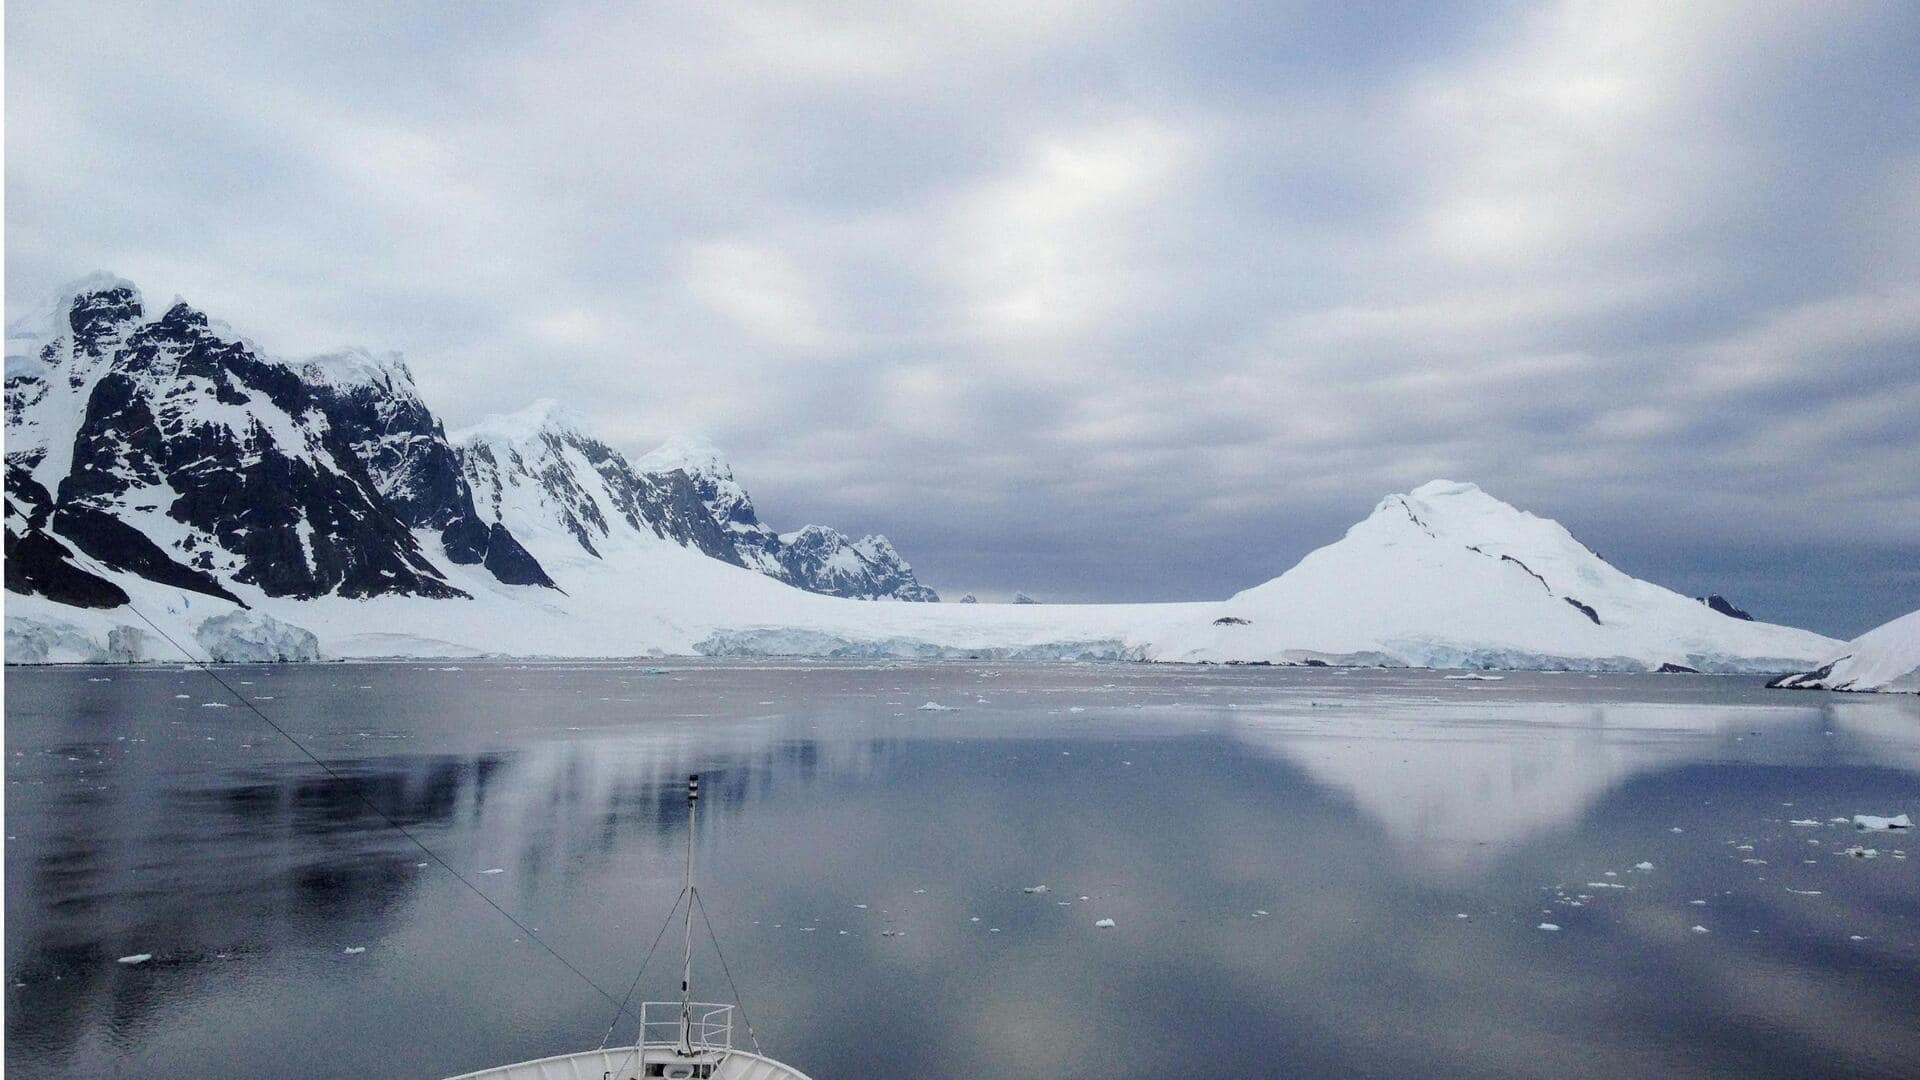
(1724, 606)
(511, 563)
(197, 463)
(1584, 609)
(123, 547)
(1023, 598)
(1805, 680)
(374, 413)
(37, 564)
(1231, 620)
(235, 448)
(1676, 669)
(969, 599)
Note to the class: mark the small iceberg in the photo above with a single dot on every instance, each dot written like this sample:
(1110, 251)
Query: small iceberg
(1474, 678)
(1103, 924)
(1870, 823)
(136, 958)
(1863, 852)
(354, 950)
(1034, 889)
(1548, 926)
(934, 706)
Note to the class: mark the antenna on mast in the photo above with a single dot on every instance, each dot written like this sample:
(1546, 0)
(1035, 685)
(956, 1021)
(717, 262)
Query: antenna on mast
(686, 970)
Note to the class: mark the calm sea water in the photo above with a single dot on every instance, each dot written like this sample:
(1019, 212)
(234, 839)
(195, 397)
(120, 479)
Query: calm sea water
(1309, 871)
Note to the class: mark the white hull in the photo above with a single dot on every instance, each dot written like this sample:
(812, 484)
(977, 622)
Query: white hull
(627, 1063)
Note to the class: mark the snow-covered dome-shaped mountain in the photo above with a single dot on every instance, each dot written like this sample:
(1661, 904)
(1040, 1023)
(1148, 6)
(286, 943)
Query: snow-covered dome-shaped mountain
(1447, 575)
(1884, 659)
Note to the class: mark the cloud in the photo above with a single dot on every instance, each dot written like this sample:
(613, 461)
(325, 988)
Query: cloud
(1095, 300)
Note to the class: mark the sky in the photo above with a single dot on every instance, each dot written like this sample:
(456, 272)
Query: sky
(1097, 301)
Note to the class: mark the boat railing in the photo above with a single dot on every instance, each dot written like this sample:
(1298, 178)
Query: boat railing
(709, 1025)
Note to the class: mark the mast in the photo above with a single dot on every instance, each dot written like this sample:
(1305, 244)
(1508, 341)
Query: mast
(686, 968)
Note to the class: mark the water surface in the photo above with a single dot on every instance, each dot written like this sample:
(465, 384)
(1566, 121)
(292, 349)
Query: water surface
(1310, 871)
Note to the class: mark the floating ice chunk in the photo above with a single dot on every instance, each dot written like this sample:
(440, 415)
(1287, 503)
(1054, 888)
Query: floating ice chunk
(494, 870)
(993, 929)
(1077, 708)
(1868, 822)
(1698, 903)
(1034, 889)
(177, 696)
(1803, 892)
(213, 705)
(136, 958)
(1103, 924)
(934, 706)
(1548, 926)
(1753, 862)
(862, 907)
(1474, 678)
(1461, 915)
(354, 950)
(1805, 823)
(1855, 937)
(1261, 913)
(1863, 852)
(1700, 930)
(1605, 885)
(1676, 828)
(1839, 820)
(893, 933)
(1643, 866)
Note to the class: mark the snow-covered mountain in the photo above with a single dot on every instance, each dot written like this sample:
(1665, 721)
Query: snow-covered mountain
(1447, 575)
(1884, 659)
(264, 509)
(158, 444)
(815, 558)
(540, 472)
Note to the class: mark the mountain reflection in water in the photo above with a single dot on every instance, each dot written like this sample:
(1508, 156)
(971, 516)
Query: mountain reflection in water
(1362, 812)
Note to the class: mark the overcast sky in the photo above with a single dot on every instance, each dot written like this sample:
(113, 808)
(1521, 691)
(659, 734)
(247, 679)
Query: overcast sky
(1096, 301)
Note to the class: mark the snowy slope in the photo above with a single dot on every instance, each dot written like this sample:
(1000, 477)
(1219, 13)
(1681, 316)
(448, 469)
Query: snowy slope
(1447, 575)
(1884, 659)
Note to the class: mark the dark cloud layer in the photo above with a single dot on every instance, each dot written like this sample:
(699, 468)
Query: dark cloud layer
(1138, 301)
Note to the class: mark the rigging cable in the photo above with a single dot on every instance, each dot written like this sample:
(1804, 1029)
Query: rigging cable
(737, 1003)
(369, 804)
(635, 985)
